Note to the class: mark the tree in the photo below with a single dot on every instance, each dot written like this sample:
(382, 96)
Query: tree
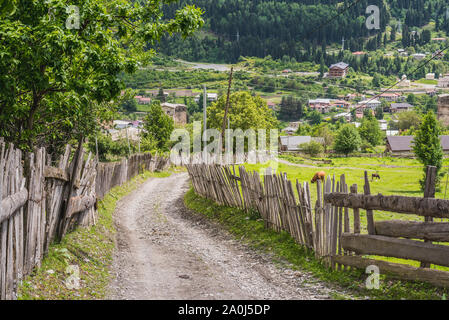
(291, 109)
(129, 105)
(408, 119)
(326, 134)
(161, 95)
(315, 117)
(312, 148)
(370, 131)
(427, 144)
(246, 112)
(158, 126)
(58, 77)
(379, 113)
(348, 139)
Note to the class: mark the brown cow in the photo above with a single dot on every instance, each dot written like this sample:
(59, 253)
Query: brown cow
(319, 175)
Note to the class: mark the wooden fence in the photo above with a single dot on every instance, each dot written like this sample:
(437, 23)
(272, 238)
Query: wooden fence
(40, 203)
(328, 227)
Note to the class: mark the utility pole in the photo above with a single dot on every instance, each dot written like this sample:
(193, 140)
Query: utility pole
(343, 44)
(204, 109)
(223, 128)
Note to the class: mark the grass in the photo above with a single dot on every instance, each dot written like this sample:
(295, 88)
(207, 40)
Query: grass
(90, 249)
(249, 228)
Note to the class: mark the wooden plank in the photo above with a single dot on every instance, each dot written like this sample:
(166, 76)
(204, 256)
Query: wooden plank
(397, 248)
(356, 212)
(432, 231)
(81, 203)
(429, 192)
(56, 173)
(435, 277)
(13, 203)
(369, 212)
(436, 208)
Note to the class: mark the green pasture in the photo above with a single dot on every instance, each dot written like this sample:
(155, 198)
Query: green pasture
(398, 177)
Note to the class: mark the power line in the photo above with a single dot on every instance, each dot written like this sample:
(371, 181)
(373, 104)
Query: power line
(416, 69)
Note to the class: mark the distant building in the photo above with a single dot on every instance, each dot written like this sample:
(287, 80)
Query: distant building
(177, 111)
(289, 130)
(430, 76)
(326, 105)
(210, 97)
(443, 109)
(391, 97)
(400, 107)
(383, 124)
(404, 82)
(404, 144)
(419, 56)
(338, 70)
(372, 104)
(145, 101)
(443, 82)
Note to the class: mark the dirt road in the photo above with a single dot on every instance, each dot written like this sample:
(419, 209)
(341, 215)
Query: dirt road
(164, 251)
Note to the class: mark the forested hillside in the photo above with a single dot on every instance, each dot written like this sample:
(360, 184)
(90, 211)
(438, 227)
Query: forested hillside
(291, 28)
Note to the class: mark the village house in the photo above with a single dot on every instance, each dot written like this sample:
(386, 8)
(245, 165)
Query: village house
(404, 82)
(371, 104)
(142, 100)
(210, 97)
(290, 130)
(177, 111)
(443, 82)
(338, 70)
(430, 76)
(404, 144)
(419, 56)
(391, 96)
(400, 107)
(326, 105)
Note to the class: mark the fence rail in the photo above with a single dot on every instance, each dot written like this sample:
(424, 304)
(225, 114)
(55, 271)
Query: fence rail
(325, 226)
(40, 203)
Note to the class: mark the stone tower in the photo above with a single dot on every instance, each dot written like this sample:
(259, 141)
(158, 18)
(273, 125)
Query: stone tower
(443, 109)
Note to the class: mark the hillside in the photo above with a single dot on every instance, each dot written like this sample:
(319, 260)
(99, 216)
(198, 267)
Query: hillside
(295, 28)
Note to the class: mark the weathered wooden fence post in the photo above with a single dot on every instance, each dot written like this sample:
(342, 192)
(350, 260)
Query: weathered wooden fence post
(429, 192)
(369, 213)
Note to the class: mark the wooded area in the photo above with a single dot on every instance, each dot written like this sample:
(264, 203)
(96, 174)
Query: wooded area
(40, 203)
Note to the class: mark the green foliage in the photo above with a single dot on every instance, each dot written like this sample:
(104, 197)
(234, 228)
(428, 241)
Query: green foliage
(408, 120)
(370, 131)
(246, 112)
(348, 139)
(325, 132)
(56, 82)
(158, 126)
(427, 144)
(129, 105)
(291, 109)
(312, 148)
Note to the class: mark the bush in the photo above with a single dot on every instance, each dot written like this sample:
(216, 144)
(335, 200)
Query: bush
(312, 148)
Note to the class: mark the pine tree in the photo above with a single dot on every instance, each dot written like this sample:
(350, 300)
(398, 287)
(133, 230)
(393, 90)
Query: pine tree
(427, 144)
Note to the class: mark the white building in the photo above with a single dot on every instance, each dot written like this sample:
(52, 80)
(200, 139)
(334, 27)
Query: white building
(372, 104)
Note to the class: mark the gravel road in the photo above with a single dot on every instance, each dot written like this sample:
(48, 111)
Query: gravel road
(164, 251)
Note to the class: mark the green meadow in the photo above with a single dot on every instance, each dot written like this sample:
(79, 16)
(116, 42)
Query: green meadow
(398, 177)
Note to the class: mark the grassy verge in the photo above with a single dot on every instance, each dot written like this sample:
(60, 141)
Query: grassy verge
(250, 228)
(90, 249)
